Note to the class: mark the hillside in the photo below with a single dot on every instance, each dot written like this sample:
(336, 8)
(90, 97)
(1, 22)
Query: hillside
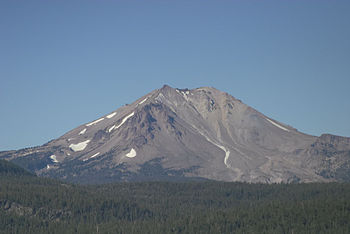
(40, 205)
(11, 169)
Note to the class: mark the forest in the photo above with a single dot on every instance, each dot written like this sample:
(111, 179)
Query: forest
(31, 204)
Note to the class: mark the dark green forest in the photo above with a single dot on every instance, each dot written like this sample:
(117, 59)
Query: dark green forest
(30, 204)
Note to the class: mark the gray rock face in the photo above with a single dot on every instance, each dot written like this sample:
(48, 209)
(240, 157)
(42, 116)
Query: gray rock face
(177, 134)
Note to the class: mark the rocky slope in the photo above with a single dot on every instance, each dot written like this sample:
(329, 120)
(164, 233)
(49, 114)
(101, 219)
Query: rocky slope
(177, 134)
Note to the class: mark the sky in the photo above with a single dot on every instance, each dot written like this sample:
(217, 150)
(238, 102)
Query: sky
(65, 63)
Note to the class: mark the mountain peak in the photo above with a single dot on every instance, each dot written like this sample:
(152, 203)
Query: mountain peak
(180, 133)
(166, 86)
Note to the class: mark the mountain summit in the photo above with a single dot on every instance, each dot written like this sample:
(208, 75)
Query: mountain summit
(178, 134)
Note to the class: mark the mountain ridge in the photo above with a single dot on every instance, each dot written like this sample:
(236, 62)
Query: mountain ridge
(179, 134)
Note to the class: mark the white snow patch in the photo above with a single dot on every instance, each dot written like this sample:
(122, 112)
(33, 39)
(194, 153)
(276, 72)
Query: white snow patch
(111, 115)
(85, 159)
(80, 146)
(82, 131)
(227, 152)
(125, 119)
(185, 95)
(95, 122)
(177, 91)
(95, 155)
(143, 101)
(48, 166)
(131, 154)
(187, 92)
(53, 158)
(68, 154)
(227, 155)
(277, 125)
(111, 128)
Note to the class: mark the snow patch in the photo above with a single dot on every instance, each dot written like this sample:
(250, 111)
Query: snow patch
(277, 125)
(185, 95)
(80, 146)
(95, 155)
(111, 115)
(48, 166)
(143, 101)
(125, 119)
(227, 152)
(131, 154)
(227, 155)
(111, 128)
(82, 131)
(95, 122)
(86, 159)
(53, 158)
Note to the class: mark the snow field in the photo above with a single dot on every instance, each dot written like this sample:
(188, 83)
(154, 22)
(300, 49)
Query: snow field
(80, 146)
(131, 154)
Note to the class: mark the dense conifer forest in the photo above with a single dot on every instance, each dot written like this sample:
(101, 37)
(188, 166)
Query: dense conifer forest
(29, 204)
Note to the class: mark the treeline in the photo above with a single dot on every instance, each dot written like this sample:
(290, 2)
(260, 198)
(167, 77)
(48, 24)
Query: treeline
(8, 168)
(29, 204)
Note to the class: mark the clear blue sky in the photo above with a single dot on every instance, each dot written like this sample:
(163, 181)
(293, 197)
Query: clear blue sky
(64, 63)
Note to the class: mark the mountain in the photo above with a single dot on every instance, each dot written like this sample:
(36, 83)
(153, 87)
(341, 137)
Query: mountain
(180, 134)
